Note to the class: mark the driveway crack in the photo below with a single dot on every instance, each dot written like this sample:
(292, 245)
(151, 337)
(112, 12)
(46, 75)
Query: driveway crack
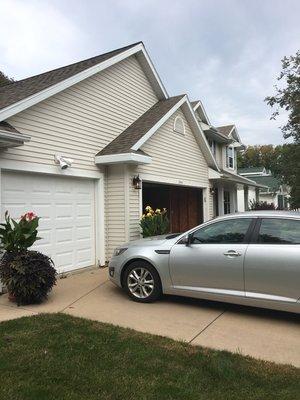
(207, 326)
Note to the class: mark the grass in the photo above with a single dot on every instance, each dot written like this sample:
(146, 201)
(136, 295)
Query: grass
(55, 356)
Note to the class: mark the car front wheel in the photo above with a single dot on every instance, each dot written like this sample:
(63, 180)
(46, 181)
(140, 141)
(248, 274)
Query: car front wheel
(142, 282)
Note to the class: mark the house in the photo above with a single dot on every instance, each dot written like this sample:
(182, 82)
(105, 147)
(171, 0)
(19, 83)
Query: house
(230, 191)
(111, 122)
(274, 192)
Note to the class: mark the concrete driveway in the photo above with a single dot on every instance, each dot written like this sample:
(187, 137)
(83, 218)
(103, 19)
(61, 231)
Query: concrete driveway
(264, 334)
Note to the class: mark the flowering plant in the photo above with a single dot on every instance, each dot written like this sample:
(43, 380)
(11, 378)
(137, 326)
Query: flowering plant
(154, 223)
(17, 236)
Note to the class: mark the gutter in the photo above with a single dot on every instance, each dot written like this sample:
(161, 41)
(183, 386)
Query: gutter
(17, 137)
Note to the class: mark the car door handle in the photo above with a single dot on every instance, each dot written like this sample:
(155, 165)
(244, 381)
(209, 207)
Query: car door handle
(232, 253)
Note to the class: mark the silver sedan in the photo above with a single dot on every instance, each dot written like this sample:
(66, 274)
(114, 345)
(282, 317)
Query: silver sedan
(251, 258)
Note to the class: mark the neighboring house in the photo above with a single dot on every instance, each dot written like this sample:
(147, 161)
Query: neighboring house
(230, 191)
(274, 192)
(112, 116)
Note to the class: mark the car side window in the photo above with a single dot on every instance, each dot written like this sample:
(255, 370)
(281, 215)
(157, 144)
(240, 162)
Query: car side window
(279, 231)
(229, 231)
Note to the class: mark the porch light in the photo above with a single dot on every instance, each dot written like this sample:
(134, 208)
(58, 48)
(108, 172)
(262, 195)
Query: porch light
(212, 190)
(136, 182)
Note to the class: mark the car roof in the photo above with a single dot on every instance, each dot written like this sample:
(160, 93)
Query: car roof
(269, 213)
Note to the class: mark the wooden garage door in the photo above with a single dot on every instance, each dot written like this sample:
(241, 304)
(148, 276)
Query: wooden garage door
(67, 210)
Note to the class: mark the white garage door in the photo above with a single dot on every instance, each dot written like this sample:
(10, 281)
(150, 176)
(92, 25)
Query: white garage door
(67, 210)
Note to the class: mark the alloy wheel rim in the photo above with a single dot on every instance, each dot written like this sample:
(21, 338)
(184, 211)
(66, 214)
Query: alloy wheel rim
(140, 282)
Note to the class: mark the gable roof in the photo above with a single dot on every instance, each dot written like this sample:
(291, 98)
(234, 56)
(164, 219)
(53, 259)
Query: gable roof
(198, 106)
(270, 181)
(126, 146)
(128, 138)
(19, 95)
(225, 130)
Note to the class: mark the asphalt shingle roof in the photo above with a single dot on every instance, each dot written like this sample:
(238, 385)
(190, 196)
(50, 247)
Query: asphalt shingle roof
(16, 91)
(132, 134)
(270, 181)
(225, 130)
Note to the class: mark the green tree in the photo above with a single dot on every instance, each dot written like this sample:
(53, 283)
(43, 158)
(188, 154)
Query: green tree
(4, 79)
(258, 156)
(282, 160)
(287, 96)
(287, 168)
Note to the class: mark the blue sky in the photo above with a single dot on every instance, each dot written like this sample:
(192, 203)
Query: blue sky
(225, 52)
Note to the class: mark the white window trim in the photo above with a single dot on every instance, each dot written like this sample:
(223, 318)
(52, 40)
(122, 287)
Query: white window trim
(183, 124)
(227, 157)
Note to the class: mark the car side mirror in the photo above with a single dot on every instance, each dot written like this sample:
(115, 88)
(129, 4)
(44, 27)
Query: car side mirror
(187, 239)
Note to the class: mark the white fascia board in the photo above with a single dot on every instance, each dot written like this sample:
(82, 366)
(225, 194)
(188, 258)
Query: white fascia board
(19, 137)
(202, 138)
(199, 104)
(151, 132)
(237, 134)
(248, 181)
(152, 74)
(196, 105)
(237, 145)
(131, 158)
(212, 174)
(50, 91)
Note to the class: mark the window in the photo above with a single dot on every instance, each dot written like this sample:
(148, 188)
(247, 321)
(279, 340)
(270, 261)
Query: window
(283, 231)
(212, 145)
(179, 125)
(229, 157)
(231, 231)
(226, 202)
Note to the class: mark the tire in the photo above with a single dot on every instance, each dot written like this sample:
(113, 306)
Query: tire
(142, 282)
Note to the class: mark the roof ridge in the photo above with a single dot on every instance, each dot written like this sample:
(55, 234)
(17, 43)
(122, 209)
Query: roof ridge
(71, 64)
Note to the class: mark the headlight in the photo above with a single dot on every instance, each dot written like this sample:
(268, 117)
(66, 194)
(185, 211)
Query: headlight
(119, 250)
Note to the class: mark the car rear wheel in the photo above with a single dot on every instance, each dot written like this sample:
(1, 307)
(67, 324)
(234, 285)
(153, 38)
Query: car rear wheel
(142, 282)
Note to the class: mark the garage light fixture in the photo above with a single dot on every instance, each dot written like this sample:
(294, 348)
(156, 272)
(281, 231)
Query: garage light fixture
(136, 182)
(63, 162)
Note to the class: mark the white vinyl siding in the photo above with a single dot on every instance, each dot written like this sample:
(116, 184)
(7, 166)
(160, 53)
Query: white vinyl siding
(81, 120)
(134, 208)
(175, 156)
(218, 155)
(115, 208)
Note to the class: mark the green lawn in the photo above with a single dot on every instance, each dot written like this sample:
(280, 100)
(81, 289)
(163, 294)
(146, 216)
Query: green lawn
(59, 357)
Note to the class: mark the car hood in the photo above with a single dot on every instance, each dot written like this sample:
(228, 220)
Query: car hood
(153, 240)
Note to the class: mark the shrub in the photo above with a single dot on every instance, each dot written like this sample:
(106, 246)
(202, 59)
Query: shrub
(28, 275)
(154, 223)
(261, 205)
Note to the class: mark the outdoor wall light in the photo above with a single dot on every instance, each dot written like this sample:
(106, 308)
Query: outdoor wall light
(63, 162)
(212, 190)
(136, 182)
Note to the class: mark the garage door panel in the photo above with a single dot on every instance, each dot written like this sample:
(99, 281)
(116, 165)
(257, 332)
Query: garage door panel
(66, 207)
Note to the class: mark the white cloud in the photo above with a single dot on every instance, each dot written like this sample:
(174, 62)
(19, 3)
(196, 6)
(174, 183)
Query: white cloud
(226, 53)
(35, 36)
